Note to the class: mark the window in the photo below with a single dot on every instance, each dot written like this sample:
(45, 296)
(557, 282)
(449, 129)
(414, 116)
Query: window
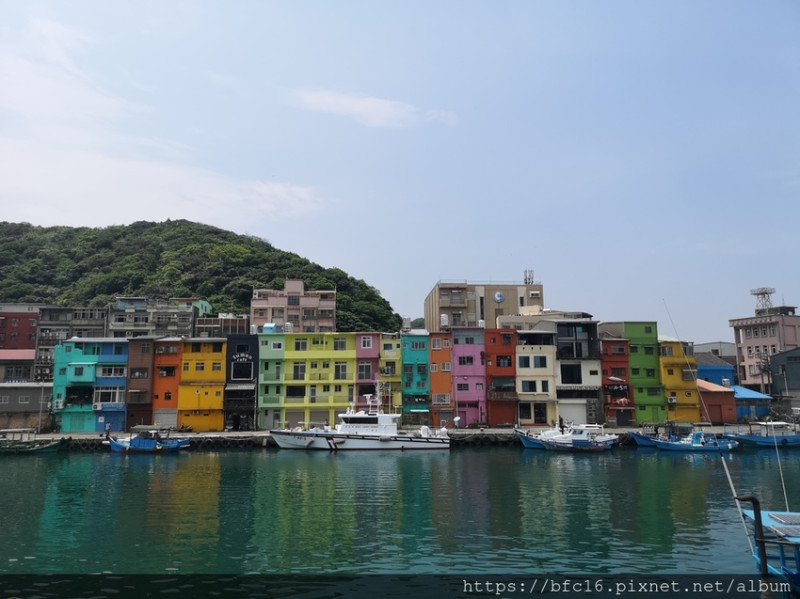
(504, 362)
(465, 360)
(199, 366)
(293, 300)
(186, 366)
(417, 345)
(545, 386)
(196, 347)
(140, 373)
(339, 344)
(364, 370)
(145, 348)
(298, 371)
(366, 342)
(216, 347)
(648, 330)
(112, 371)
(340, 370)
(540, 361)
(300, 344)
(650, 372)
(445, 366)
(79, 371)
(242, 370)
(436, 344)
(523, 361)
(649, 350)
(277, 345)
(529, 386)
(434, 367)
(216, 366)
(462, 386)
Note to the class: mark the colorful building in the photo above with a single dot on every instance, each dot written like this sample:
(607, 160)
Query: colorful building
(240, 405)
(271, 351)
(416, 380)
(89, 385)
(469, 375)
(167, 369)
(201, 384)
(643, 378)
(141, 373)
(679, 376)
(618, 398)
(502, 400)
(441, 379)
(536, 376)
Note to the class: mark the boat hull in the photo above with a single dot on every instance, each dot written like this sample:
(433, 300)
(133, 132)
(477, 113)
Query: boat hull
(721, 445)
(149, 446)
(330, 441)
(792, 441)
(28, 447)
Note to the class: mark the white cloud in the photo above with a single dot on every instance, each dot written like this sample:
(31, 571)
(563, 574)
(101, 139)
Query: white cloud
(370, 111)
(66, 158)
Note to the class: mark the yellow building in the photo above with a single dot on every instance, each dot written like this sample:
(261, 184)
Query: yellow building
(678, 368)
(319, 376)
(202, 384)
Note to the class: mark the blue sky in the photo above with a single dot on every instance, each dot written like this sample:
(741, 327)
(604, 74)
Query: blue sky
(643, 158)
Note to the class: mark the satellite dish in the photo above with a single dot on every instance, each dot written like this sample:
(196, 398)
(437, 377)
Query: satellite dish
(499, 297)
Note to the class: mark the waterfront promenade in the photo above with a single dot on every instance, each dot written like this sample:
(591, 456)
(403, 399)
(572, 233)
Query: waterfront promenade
(460, 437)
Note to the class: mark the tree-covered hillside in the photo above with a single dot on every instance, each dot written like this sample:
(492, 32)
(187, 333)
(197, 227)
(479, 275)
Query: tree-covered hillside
(82, 266)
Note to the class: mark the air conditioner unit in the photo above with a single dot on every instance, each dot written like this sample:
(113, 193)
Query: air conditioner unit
(59, 404)
(97, 407)
(672, 400)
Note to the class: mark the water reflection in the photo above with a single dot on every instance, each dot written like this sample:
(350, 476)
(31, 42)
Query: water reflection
(467, 511)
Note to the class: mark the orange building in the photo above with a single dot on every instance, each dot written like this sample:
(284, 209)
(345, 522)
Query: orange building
(441, 379)
(167, 376)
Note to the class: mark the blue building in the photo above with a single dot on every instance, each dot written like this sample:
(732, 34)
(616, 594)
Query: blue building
(89, 384)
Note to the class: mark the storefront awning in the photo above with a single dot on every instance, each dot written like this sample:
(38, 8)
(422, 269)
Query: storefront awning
(240, 387)
(419, 410)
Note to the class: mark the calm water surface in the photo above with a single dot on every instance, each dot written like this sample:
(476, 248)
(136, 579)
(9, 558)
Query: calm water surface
(466, 511)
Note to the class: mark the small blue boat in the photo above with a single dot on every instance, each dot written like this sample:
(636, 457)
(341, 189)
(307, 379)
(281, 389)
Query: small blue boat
(147, 439)
(767, 434)
(698, 441)
(669, 431)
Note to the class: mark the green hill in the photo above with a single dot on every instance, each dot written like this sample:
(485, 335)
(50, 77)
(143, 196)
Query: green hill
(83, 266)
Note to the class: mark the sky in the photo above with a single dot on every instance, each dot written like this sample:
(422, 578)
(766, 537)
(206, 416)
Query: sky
(642, 158)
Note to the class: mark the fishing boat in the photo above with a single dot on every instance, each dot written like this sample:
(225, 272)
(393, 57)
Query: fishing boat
(582, 438)
(363, 429)
(533, 439)
(669, 431)
(775, 546)
(578, 446)
(147, 439)
(698, 441)
(24, 441)
(766, 434)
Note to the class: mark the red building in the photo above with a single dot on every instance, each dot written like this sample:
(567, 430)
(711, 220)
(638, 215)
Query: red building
(18, 324)
(501, 393)
(618, 400)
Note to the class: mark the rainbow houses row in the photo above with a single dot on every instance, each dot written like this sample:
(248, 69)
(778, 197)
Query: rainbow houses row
(530, 373)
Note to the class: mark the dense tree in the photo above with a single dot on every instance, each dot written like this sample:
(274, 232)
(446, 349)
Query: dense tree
(86, 266)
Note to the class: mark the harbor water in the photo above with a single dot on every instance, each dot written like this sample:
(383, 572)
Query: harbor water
(467, 512)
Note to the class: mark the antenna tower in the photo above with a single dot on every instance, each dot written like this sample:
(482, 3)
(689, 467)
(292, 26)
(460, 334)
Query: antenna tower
(527, 277)
(763, 294)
